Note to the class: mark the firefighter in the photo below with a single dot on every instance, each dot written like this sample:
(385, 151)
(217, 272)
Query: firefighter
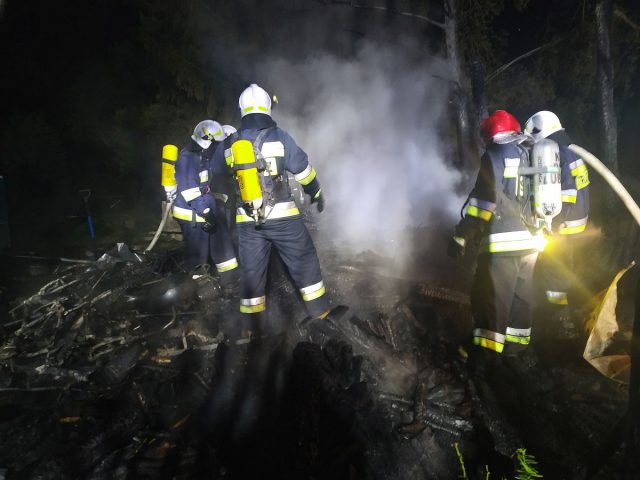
(497, 217)
(223, 186)
(267, 215)
(556, 264)
(194, 207)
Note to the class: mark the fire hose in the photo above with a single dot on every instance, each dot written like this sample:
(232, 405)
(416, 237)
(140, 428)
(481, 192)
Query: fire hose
(160, 227)
(611, 179)
(631, 420)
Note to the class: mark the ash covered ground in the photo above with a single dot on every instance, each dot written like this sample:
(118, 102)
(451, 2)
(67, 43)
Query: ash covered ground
(121, 368)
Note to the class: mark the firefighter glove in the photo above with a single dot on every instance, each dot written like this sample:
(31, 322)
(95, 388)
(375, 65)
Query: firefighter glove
(318, 199)
(456, 247)
(210, 223)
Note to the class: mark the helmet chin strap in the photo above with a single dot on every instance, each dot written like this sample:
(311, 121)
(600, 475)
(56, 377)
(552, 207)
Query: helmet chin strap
(201, 141)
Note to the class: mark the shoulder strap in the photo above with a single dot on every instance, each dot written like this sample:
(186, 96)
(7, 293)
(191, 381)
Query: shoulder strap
(257, 150)
(519, 206)
(259, 141)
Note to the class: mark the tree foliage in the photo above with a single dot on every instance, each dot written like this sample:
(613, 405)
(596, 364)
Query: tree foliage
(127, 76)
(561, 75)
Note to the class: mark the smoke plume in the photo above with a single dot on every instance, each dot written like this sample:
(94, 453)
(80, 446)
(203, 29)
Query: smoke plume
(376, 130)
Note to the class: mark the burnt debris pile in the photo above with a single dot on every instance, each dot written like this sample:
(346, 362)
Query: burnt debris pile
(126, 368)
(104, 365)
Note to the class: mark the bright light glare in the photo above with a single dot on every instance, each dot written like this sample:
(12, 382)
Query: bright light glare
(540, 241)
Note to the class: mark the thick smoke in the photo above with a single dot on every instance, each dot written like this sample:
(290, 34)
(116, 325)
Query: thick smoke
(376, 130)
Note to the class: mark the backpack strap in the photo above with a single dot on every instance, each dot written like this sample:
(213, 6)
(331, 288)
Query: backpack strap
(257, 150)
(267, 180)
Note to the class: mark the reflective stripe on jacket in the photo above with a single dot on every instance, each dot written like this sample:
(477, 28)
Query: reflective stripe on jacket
(281, 155)
(186, 214)
(279, 210)
(575, 189)
(192, 183)
(494, 213)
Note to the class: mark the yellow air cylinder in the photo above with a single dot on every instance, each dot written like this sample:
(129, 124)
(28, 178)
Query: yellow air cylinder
(248, 180)
(169, 157)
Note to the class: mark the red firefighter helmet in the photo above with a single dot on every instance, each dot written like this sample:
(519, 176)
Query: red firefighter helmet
(498, 122)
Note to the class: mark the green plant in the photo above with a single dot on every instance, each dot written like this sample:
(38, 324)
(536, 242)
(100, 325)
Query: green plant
(526, 469)
(461, 460)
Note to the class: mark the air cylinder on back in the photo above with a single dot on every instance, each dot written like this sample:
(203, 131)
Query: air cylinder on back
(547, 186)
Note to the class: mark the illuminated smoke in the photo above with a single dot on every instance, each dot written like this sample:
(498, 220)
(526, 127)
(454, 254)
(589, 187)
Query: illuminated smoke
(375, 129)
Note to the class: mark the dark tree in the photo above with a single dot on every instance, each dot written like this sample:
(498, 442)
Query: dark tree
(603, 15)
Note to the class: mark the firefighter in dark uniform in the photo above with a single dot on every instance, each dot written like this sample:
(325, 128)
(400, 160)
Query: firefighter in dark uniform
(194, 207)
(555, 265)
(497, 217)
(274, 221)
(223, 186)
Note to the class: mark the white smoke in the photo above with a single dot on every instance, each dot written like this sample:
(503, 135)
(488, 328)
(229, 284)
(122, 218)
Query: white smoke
(376, 131)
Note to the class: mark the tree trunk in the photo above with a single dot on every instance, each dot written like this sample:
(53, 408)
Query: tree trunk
(619, 232)
(459, 97)
(479, 94)
(605, 86)
(633, 441)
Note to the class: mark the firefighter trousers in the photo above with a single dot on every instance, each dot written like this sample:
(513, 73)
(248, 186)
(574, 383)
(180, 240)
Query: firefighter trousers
(554, 270)
(201, 247)
(502, 300)
(291, 239)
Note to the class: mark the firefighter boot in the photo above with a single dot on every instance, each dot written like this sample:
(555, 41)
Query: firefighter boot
(487, 375)
(230, 283)
(565, 325)
(480, 365)
(326, 325)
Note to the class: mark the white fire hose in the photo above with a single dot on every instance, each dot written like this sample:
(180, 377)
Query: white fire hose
(160, 227)
(611, 179)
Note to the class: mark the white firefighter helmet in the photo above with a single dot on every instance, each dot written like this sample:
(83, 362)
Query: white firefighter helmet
(254, 99)
(206, 132)
(542, 124)
(228, 130)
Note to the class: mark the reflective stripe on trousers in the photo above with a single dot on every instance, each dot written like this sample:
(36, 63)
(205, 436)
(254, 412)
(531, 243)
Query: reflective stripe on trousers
(253, 305)
(557, 298)
(488, 339)
(312, 292)
(501, 299)
(291, 239)
(227, 265)
(518, 335)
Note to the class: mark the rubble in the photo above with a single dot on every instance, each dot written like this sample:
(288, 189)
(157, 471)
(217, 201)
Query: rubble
(122, 368)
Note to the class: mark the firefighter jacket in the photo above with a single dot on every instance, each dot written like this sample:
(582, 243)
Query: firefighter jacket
(281, 155)
(222, 183)
(497, 212)
(192, 181)
(575, 192)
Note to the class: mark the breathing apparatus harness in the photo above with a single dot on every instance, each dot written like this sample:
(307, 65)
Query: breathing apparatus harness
(520, 206)
(538, 181)
(254, 182)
